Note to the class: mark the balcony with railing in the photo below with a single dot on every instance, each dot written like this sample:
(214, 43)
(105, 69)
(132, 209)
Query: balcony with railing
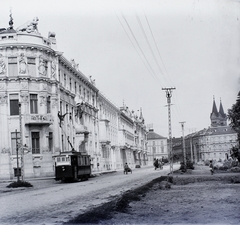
(81, 129)
(38, 119)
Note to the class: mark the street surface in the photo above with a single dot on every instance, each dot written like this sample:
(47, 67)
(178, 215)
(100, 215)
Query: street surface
(52, 202)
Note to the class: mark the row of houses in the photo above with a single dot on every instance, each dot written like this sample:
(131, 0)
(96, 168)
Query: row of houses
(47, 105)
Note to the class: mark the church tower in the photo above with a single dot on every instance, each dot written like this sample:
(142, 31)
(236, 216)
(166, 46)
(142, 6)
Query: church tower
(218, 118)
(222, 116)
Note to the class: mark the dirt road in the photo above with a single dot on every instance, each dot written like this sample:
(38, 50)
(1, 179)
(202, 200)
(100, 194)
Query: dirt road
(61, 202)
(197, 198)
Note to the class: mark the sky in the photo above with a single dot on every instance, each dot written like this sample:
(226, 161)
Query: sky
(134, 48)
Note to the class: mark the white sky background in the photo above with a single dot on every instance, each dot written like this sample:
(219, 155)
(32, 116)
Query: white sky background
(198, 51)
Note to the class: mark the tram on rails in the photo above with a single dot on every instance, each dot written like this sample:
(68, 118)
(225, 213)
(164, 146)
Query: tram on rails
(72, 166)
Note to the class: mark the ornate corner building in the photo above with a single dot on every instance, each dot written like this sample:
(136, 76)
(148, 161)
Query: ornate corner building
(47, 105)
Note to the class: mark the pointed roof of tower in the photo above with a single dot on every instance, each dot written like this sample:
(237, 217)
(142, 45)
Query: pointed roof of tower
(214, 108)
(221, 111)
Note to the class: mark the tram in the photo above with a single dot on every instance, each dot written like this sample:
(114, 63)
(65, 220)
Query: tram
(73, 166)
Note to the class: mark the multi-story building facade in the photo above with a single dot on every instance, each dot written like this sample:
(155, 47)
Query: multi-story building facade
(108, 134)
(140, 141)
(132, 138)
(47, 105)
(218, 139)
(157, 146)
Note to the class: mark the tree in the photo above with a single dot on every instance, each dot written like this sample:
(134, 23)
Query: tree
(234, 117)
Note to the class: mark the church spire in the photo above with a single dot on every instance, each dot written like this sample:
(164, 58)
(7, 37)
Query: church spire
(214, 108)
(221, 111)
(222, 115)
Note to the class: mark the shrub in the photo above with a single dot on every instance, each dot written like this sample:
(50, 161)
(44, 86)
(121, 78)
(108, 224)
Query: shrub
(165, 160)
(223, 168)
(227, 164)
(207, 162)
(19, 183)
(189, 165)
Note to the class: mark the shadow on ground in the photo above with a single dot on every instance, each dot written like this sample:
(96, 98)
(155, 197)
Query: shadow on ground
(121, 204)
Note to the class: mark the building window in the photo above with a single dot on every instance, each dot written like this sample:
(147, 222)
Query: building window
(162, 149)
(33, 104)
(15, 139)
(67, 110)
(88, 96)
(35, 143)
(31, 66)
(70, 84)
(62, 143)
(105, 152)
(59, 76)
(154, 149)
(14, 107)
(50, 141)
(48, 104)
(12, 66)
(61, 107)
(65, 80)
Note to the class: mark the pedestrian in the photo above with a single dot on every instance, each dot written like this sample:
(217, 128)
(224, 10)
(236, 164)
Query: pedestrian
(211, 167)
(126, 168)
(156, 164)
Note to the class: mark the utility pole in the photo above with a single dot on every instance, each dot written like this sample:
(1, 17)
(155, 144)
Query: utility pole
(21, 142)
(169, 95)
(184, 150)
(16, 136)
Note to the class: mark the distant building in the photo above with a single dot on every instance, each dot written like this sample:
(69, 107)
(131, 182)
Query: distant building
(212, 143)
(157, 146)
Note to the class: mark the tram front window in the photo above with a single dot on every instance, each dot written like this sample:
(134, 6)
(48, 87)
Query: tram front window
(62, 161)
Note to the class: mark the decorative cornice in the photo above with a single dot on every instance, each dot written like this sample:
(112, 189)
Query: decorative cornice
(78, 73)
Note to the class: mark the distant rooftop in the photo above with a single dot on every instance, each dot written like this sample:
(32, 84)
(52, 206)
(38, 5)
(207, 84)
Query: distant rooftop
(152, 135)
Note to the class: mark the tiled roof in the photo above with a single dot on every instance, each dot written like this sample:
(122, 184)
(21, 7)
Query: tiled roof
(220, 130)
(153, 135)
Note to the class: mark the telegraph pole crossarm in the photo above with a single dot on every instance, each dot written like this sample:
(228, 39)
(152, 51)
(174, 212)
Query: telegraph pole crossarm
(168, 91)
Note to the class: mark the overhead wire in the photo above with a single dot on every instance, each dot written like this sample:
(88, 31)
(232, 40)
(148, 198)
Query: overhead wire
(147, 64)
(134, 46)
(139, 46)
(149, 46)
(174, 96)
(157, 49)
